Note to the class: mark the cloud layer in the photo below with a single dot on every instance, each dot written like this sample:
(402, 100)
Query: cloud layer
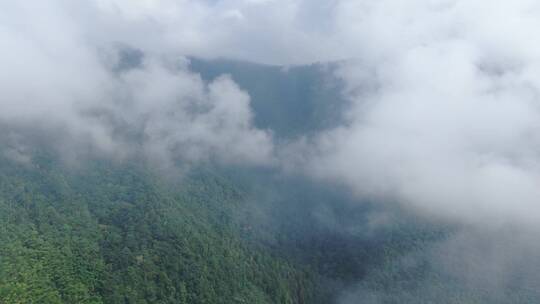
(445, 115)
(69, 71)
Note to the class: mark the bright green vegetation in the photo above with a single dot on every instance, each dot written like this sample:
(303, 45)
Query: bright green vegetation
(110, 233)
(105, 232)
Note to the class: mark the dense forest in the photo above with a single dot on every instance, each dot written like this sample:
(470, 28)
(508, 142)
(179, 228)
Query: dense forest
(108, 232)
(116, 234)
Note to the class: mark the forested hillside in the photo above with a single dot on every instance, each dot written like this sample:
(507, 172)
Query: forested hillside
(109, 233)
(116, 232)
(99, 230)
(291, 101)
(83, 228)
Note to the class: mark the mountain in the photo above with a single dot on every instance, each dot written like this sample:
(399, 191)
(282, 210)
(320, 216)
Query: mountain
(290, 101)
(101, 230)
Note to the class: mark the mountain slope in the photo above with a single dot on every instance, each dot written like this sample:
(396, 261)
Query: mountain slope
(114, 234)
(292, 101)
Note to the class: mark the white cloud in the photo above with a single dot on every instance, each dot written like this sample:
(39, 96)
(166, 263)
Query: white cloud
(445, 92)
(446, 116)
(60, 74)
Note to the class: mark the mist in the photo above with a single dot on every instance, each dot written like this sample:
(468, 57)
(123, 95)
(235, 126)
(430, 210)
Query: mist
(76, 80)
(442, 115)
(446, 116)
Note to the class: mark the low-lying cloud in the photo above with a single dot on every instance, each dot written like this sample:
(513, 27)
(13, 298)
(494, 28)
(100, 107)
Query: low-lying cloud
(65, 76)
(445, 115)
